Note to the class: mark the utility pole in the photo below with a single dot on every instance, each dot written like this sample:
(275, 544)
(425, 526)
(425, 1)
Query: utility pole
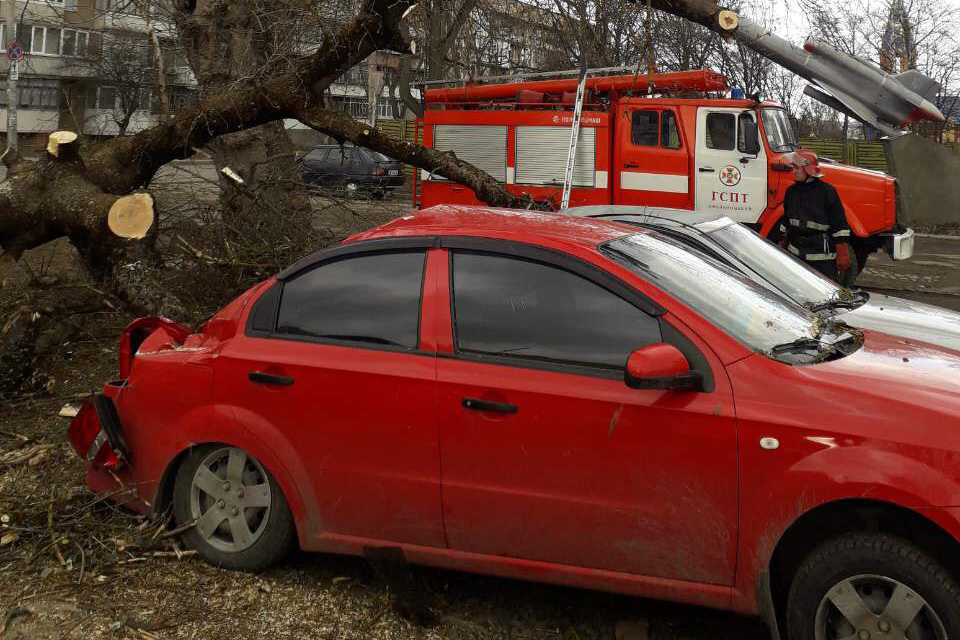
(13, 75)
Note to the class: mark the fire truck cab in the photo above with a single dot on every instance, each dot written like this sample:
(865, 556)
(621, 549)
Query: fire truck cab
(704, 153)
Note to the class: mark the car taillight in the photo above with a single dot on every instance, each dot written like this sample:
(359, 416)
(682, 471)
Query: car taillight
(379, 171)
(84, 429)
(90, 440)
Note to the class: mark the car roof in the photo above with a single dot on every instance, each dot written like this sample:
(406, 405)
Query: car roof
(685, 216)
(508, 224)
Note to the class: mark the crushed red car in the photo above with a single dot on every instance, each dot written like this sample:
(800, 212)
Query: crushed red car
(553, 399)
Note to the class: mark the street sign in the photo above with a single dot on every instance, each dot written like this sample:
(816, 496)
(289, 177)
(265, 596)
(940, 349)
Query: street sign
(14, 70)
(15, 51)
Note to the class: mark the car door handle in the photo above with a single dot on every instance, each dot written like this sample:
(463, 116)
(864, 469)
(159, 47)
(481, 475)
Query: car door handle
(706, 169)
(632, 165)
(483, 405)
(260, 377)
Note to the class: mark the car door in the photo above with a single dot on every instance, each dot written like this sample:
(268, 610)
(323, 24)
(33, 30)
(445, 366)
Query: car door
(652, 159)
(728, 178)
(331, 370)
(546, 453)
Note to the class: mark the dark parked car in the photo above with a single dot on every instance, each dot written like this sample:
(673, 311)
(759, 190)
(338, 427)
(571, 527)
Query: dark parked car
(352, 170)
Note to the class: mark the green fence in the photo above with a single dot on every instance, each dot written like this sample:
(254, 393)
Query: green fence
(869, 155)
(405, 130)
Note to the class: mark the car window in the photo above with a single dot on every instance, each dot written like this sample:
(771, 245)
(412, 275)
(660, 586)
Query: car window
(690, 241)
(669, 132)
(721, 131)
(371, 299)
(744, 309)
(790, 275)
(744, 119)
(519, 308)
(340, 156)
(318, 155)
(643, 132)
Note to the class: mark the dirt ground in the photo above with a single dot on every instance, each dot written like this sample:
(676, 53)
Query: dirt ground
(74, 566)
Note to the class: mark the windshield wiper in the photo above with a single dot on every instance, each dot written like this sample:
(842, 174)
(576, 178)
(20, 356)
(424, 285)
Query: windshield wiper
(805, 343)
(790, 146)
(839, 301)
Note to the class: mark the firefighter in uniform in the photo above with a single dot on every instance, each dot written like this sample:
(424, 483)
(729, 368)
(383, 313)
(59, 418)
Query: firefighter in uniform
(814, 226)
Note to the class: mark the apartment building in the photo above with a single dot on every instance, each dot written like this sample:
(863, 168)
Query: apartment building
(498, 37)
(91, 66)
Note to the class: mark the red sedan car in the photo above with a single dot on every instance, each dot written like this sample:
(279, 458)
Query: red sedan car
(553, 399)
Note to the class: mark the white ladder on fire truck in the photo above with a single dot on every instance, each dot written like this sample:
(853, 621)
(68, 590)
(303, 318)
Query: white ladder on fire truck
(574, 137)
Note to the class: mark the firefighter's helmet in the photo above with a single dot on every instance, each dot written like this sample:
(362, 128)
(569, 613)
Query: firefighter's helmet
(806, 160)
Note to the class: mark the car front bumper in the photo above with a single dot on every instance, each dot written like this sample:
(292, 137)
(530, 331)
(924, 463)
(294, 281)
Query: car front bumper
(900, 245)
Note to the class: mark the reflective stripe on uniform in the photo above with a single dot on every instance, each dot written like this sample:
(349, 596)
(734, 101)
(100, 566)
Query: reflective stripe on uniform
(811, 257)
(809, 224)
(843, 233)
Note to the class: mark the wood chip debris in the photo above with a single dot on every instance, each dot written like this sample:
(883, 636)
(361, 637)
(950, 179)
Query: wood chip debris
(69, 410)
(25, 454)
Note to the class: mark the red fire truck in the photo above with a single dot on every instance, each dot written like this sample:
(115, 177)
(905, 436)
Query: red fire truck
(680, 145)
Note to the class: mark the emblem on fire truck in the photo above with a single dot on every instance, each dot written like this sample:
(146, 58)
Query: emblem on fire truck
(730, 176)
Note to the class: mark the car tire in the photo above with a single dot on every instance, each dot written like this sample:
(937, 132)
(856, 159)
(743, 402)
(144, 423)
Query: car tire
(242, 524)
(862, 574)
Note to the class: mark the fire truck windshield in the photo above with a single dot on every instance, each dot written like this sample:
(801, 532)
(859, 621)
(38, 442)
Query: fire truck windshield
(779, 132)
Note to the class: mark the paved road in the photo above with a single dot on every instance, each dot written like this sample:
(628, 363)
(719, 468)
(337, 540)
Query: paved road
(931, 276)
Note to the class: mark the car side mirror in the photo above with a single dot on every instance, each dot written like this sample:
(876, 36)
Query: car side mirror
(661, 366)
(751, 137)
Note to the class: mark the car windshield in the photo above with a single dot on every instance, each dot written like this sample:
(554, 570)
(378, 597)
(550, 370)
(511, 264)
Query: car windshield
(795, 279)
(745, 310)
(780, 135)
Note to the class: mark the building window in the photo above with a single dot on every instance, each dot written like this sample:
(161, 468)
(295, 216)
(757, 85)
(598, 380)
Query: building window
(45, 41)
(39, 93)
(129, 7)
(106, 98)
(74, 43)
(385, 108)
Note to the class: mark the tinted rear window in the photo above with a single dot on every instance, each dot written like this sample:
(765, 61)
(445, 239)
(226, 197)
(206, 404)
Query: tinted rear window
(373, 299)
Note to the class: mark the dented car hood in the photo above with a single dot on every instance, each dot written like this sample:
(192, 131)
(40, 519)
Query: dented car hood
(907, 319)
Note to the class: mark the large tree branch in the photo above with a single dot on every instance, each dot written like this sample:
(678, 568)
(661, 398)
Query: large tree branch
(704, 12)
(444, 163)
(377, 26)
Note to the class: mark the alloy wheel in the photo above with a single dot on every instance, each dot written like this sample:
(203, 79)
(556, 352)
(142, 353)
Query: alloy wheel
(873, 607)
(230, 499)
